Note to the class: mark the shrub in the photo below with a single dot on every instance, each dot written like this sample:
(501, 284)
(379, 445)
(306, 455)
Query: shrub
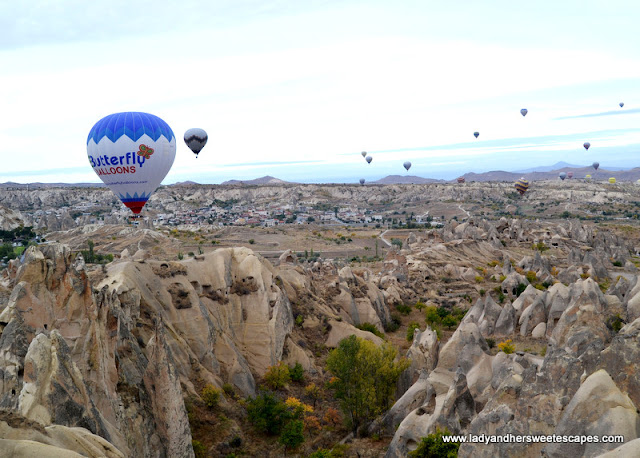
(420, 305)
(502, 278)
(312, 391)
(492, 263)
(277, 376)
(292, 434)
(431, 315)
(210, 396)
(404, 309)
(296, 373)
(501, 297)
(267, 414)
(449, 322)
(393, 324)
(479, 279)
(299, 320)
(322, 453)
(531, 276)
(543, 352)
(371, 328)
(199, 449)
(251, 241)
(228, 389)
(491, 342)
(617, 263)
(520, 289)
(411, 330)
(507, 346)
(432, 446)
(482, 292)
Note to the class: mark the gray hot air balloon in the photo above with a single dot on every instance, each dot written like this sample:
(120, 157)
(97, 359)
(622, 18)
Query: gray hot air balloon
(195, 140)
(369, 159)
(475, 134)
(562, 175)
(407, 165)
(364, 153)
(362, 181)
(621, 104)
(524, 112)
(586, 145)
(595, 165)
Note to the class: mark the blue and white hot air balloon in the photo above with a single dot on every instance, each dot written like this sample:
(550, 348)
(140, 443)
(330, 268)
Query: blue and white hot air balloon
(131, 152)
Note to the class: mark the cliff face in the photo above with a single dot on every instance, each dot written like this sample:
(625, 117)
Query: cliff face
(117, 358)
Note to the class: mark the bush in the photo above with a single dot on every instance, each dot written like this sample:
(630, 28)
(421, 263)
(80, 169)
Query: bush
(490, 342)
(267, 414)
(479, 279)
(520, 289)
(617, 263)
(292, 434)
(296, 373)
(370, 328)
(404, 309)
(228, 389)
(251, 241)
(210, 396)
(431, 315)
(411, 330)
(432, 446)
(507, 346)
(199, 449)
(420, 305)
(322, 453)
(312, 391)
(531, 277)
(482, 292)
(393, 324)
(449, 322)
(277, 376)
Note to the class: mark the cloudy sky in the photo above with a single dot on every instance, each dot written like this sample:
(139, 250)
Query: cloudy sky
(297, 89)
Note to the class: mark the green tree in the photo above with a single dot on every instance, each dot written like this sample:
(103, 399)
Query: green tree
(268, 414)
(292, 434)
(365, 378)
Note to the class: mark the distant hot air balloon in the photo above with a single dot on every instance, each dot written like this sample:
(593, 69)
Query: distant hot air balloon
(612, 180)
(362, 181)
(522, 185)
(586, 145)
(621, 104)
(476, 134)
(195, 139)
(369, 159)
(524, 112)
(595, 165)
(131, 152)
(587, 177)
(407, 165)
(569, 175)
(364, 153)
(562, 175)
(460, 180)
(638, 182)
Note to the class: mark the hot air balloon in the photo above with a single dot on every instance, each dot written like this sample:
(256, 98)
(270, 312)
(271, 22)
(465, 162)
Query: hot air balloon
(524, 112)
(586, 145)
(562, 175)
(621, 104)
(195, 139)
(612, 180)
(587, 177)
(569, 175)
(637, 181)
(460, 180)
(364, 153)
(407, 165)
(131, 152)
(476, 134)
(362, 181)
(522, 185)
(369, 159)
(595, 165)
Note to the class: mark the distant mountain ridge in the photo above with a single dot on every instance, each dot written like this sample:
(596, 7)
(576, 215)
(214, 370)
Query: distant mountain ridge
(258, 181)
(563, 165)
(404, 179)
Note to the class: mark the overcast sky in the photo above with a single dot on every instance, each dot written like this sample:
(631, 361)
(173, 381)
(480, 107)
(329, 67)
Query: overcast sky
(297, 89)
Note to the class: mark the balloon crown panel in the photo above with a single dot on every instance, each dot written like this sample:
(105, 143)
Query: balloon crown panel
(130, 124)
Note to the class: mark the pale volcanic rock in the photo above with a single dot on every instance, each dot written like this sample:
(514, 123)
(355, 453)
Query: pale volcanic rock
(630, 449)
(539, 331)
(597, 408)
(526, 298)
(340, 330)
(533, 315)
(10, 219)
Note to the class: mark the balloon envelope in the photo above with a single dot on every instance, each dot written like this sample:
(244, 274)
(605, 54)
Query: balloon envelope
(587, 177)
(361, 180)
(569, 175)
(521, 185)
(476, 134)
(621, 104)
(524, 112)
(460, 180)
(612, 180)
(407, 165)
(562, 175)
(364, 153)
(369, 159)
(195, 139)
(595, 165)
(586, 145)
(131, 152)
